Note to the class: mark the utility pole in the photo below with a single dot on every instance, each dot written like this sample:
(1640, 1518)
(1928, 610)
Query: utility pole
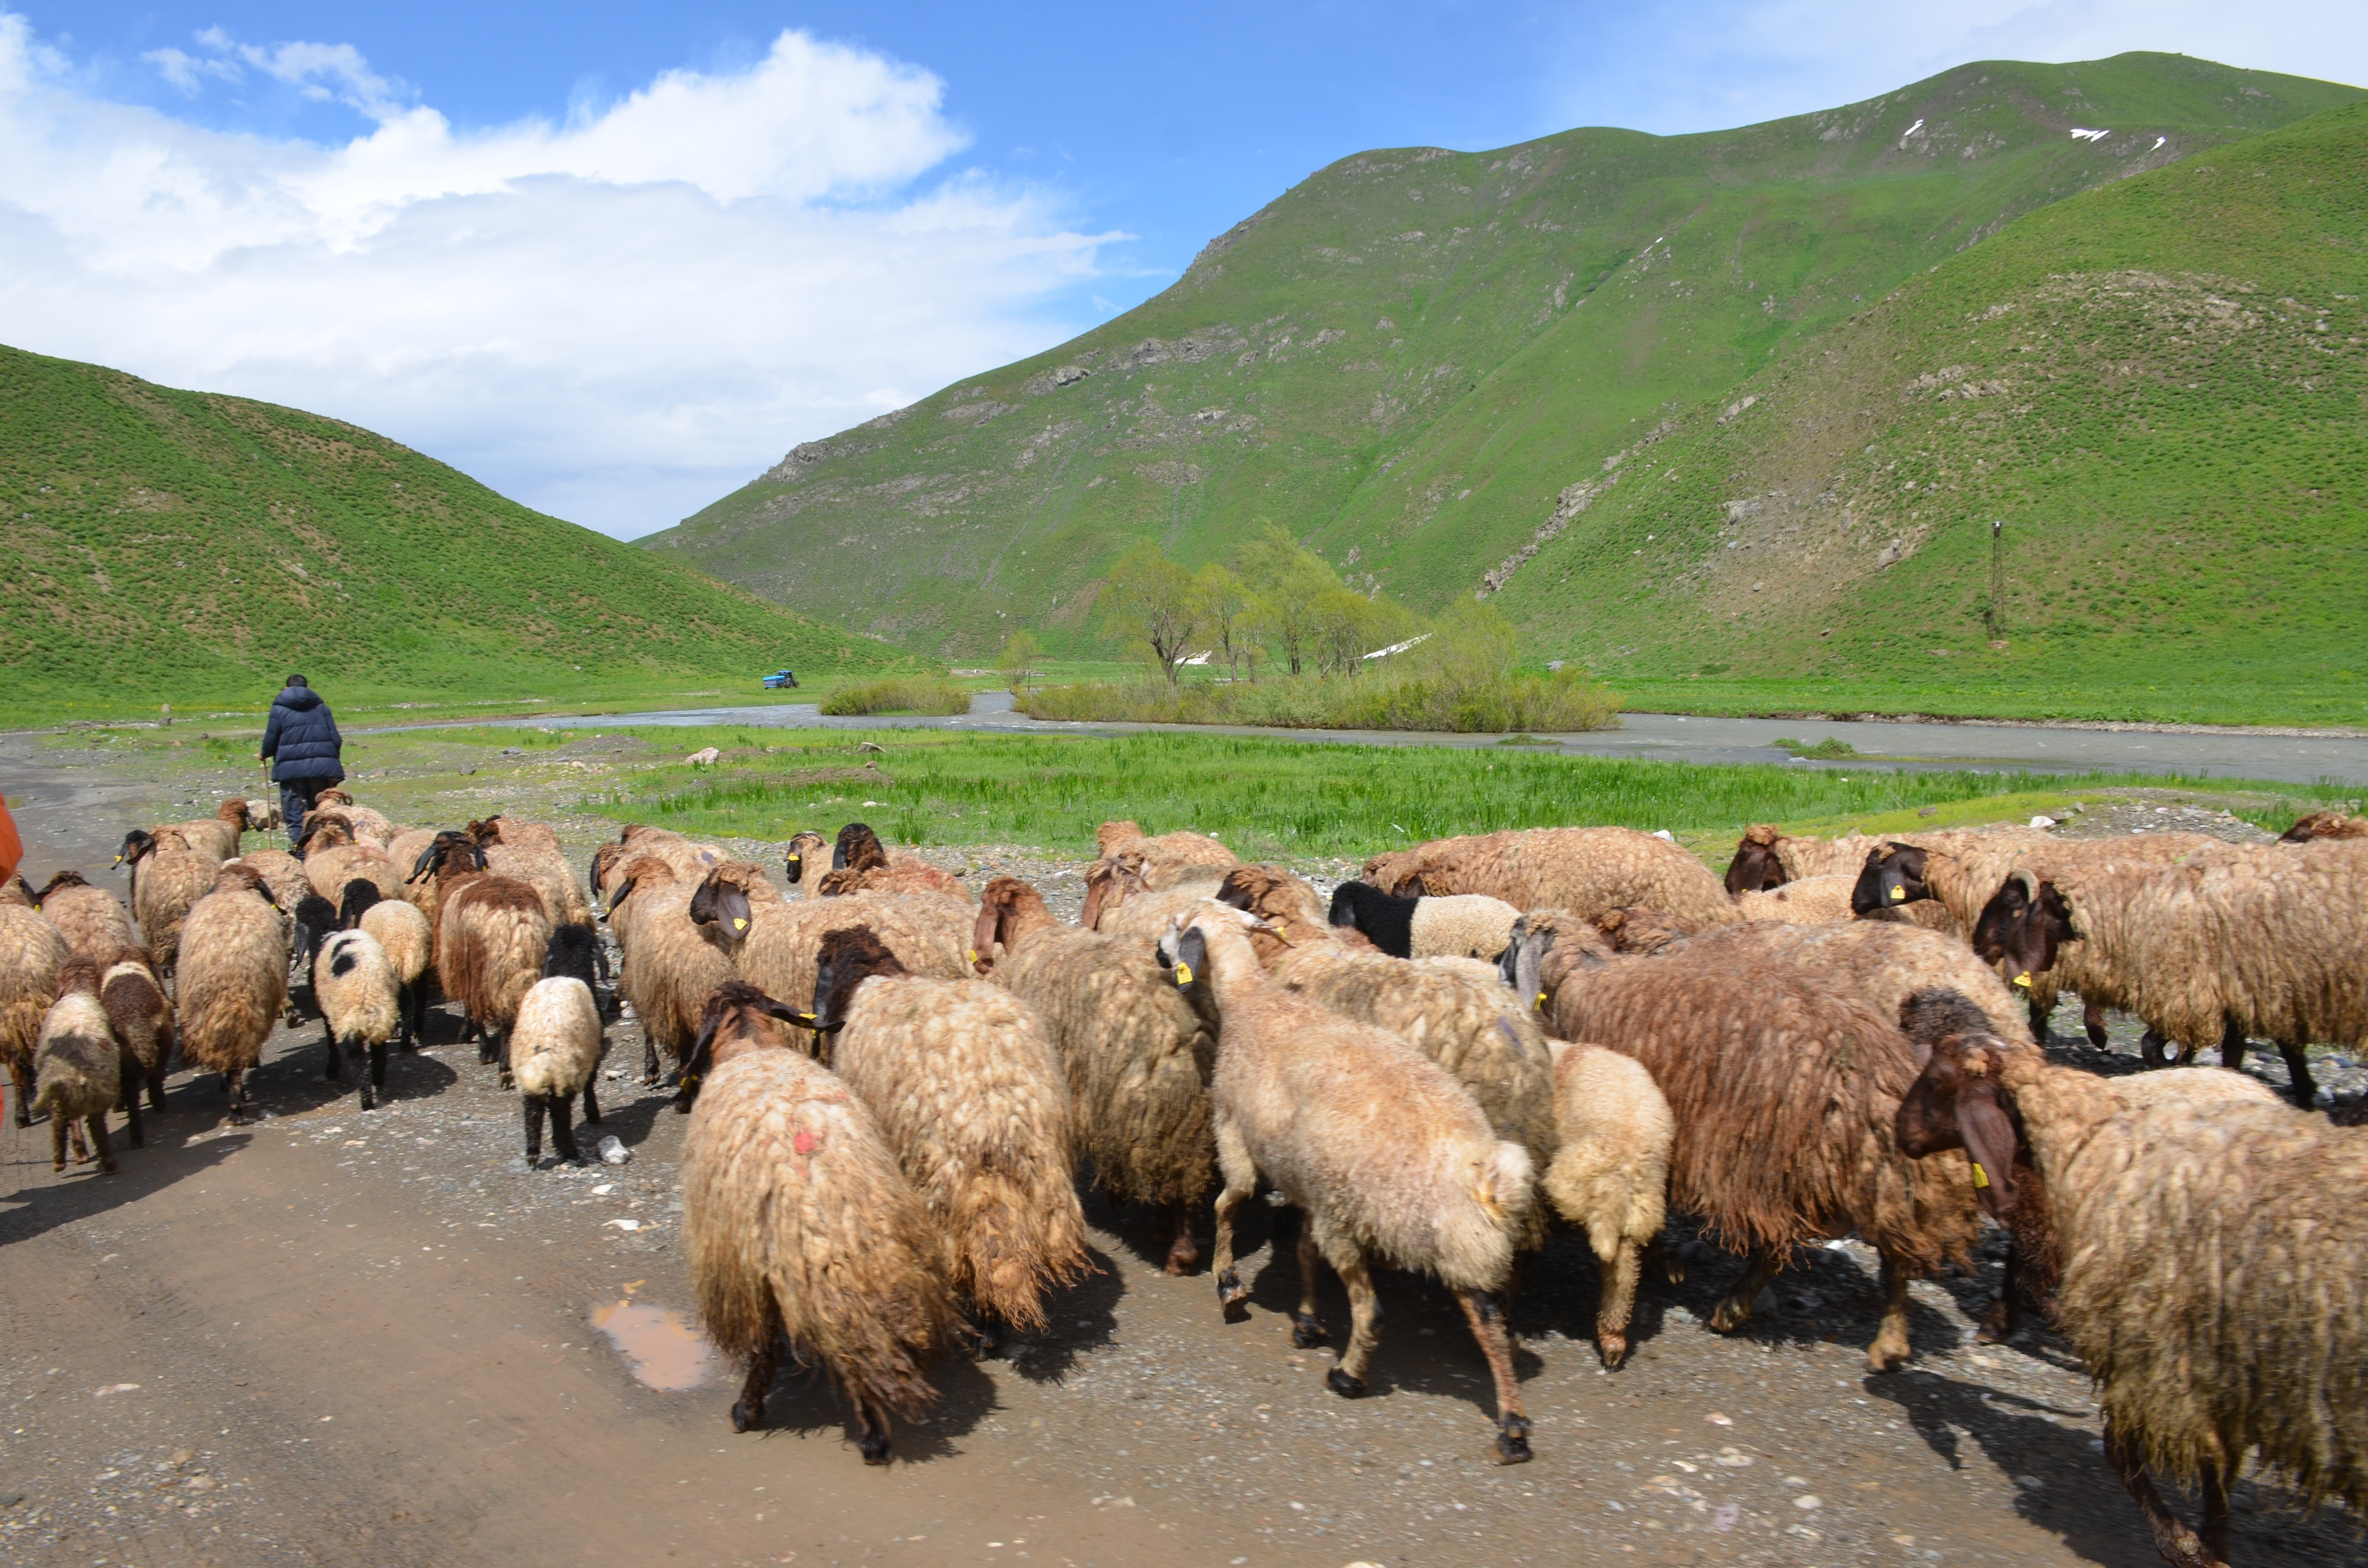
(1998, 579)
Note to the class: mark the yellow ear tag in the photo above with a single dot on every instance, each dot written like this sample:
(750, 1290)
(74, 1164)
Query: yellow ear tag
(973, 955)
(2023, 979)
(1183, 975)
(797, 859)
(1897, 894)
(738, 923)
(1981, 1177)
(1542, 998)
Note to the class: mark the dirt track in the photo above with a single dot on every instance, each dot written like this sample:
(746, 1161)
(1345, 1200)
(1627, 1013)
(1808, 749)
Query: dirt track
(354, 1339)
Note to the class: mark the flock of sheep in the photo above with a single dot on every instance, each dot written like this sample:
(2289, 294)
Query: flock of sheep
(892, 1085)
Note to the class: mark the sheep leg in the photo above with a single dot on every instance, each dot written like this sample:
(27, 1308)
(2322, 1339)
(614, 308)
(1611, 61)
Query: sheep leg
(1667, 1259)
(1620, 1264)
(234, 1086)
(81, 1145)
(97, 1120)
(2233, 1047)
(2039, 1014)
(1890, 1346)
(1734, 1310)
(534, 1108)
(2092, 1017)
(1482, 1310)
(1347, 1379)
(1241, 1179)
(375, 1080)
(2004, 1320)
(20, 1073)
(2306, 1088)
(485, 1043)
(2150, 1050)
(131, 1112)
(1183, 1252)
(749, 1409)
(591, 1104)
(156, 1084)
(871, 1432)
(334, 1065)
(1306, 1328)
(57, 1143)
(2179, 1545)
(649, 1061)
(563, 1130)
(2215, 1532)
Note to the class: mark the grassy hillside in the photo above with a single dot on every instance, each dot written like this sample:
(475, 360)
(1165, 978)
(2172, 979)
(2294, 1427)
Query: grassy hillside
(176, 547)
(2160, 389)
(1410, 357)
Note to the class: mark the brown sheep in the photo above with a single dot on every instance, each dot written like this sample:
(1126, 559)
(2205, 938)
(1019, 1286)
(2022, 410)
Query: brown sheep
(501, 829)
(1767, 857)
(489, 947)
(1587, 870)
(168, 877)
(530, 852)
(1129, 863)
(1784, 1074)
(134, 995)
(1804, 901)
(672, 963)
(1384, 1154)
(366, 824)
(2325, 825)
(31, 953)
(79, 1069)
(860, 864)
(970, 1094)
(805, 860)
(1138, 1057)
(799, 1228)
(233, 977)
(2212, 1259)
(96, 923)
(217, 835)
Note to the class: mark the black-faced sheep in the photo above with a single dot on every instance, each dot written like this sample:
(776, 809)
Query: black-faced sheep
(1462, 925)
(1783, 1073)
(96, 923)
(970, 1094)
(2230, 942)
(1138, 1057)
(805, 859)
(233, 977)
(800, 1228)
(557, 1043)
(360, 1002)
(1611, 1173)
(31, 953)
(79, 1070)
(168, 877)
(858, 863)
(2212, 1259)
(1586, 870)
(134, 994)
(403, 931)
(1385, 1156)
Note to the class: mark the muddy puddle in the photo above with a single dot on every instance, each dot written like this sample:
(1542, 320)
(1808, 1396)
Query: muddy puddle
(663, 1345)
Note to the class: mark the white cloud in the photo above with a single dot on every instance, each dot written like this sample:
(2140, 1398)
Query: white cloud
(617, 318)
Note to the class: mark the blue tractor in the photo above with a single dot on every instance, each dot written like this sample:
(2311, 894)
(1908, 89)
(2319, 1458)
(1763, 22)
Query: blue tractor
(780, 680)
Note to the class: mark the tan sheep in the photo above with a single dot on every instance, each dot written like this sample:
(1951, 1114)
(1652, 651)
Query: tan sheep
(232, 979)
(366, 824)
(1128, 863)
(671, 962)
(94, 922)
(1611, 1173)
(361, 1002)
(530, 853)
(860, 864)
(137, 1009)
(489, 947)
(31, 953)
(1137, 1056)
(79, 1069)
(1809, 901)
(1383, 1153)
(557, 1043)
(333, 858)
(970, 1094)
(1587, 870)
(1767, 857)
(402, 932)
(2325, 825)
(799, 1227)
(805, 860)
(168, 878)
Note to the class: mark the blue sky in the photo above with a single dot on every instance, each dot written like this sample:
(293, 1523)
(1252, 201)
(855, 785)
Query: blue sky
(615, 259)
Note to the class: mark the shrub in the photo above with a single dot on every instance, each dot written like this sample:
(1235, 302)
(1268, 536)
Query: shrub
(899, 694)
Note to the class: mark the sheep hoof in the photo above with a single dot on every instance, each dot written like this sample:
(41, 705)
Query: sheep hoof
(1344, 1385)
(1182, 1255)
(1731, 1314)
(1306, 1331)
(1882, 1357)
(1613, 1347)
(1513, 1442)
(1232, 1297)
(873, 1448)
(745, 1415)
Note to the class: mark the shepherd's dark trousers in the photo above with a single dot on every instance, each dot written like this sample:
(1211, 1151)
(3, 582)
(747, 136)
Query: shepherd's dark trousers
(296, 796)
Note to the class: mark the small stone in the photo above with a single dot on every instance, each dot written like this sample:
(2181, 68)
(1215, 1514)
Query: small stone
(614, 1152)
(1808, 1501)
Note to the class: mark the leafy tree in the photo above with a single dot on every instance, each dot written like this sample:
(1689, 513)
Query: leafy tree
(1153, 603)
(1286, 580)
(1016, 664)
(1226, 605)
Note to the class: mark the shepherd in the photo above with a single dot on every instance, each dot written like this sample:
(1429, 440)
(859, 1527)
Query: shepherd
(303, 745)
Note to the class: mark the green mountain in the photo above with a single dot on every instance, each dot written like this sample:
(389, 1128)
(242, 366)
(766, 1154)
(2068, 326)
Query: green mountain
(1411, 358)
(2158, 389)
(175, 546)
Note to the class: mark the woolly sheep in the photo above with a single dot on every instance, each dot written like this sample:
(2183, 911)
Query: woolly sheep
(1784, 1074)
(556, 1044)
(2212, 1259)
(332, 859)
(1137, 1056)
(233, 977)
(800, 1228)
(361, 1001)
(366, 821)
(1462, 925)
(969, 1094)
(2325, 825)
(860, 864)
(217, 835)
(530, 853)
(489, 947)
(31, 953)
(1385, 1156)
(142, 1018)
(94, 922)
(79, 1069)
(805, 860)
(2234, 941)
(403, 931)
(1809, 901)
(671, 963)
(1611, 1172)
(1582, 869)
(168, 878)
(1767, 857)
(1129, 862)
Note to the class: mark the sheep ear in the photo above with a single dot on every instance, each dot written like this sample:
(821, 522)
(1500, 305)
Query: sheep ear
(695, 1064)
(1191, 957)
(1991, 1144)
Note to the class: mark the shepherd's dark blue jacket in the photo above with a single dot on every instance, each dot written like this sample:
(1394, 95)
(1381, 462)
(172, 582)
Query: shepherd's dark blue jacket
(301, 739)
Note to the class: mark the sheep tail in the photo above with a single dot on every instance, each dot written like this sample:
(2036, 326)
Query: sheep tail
(1010, 1245)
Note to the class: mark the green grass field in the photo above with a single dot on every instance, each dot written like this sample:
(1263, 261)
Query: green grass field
(177, 547)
